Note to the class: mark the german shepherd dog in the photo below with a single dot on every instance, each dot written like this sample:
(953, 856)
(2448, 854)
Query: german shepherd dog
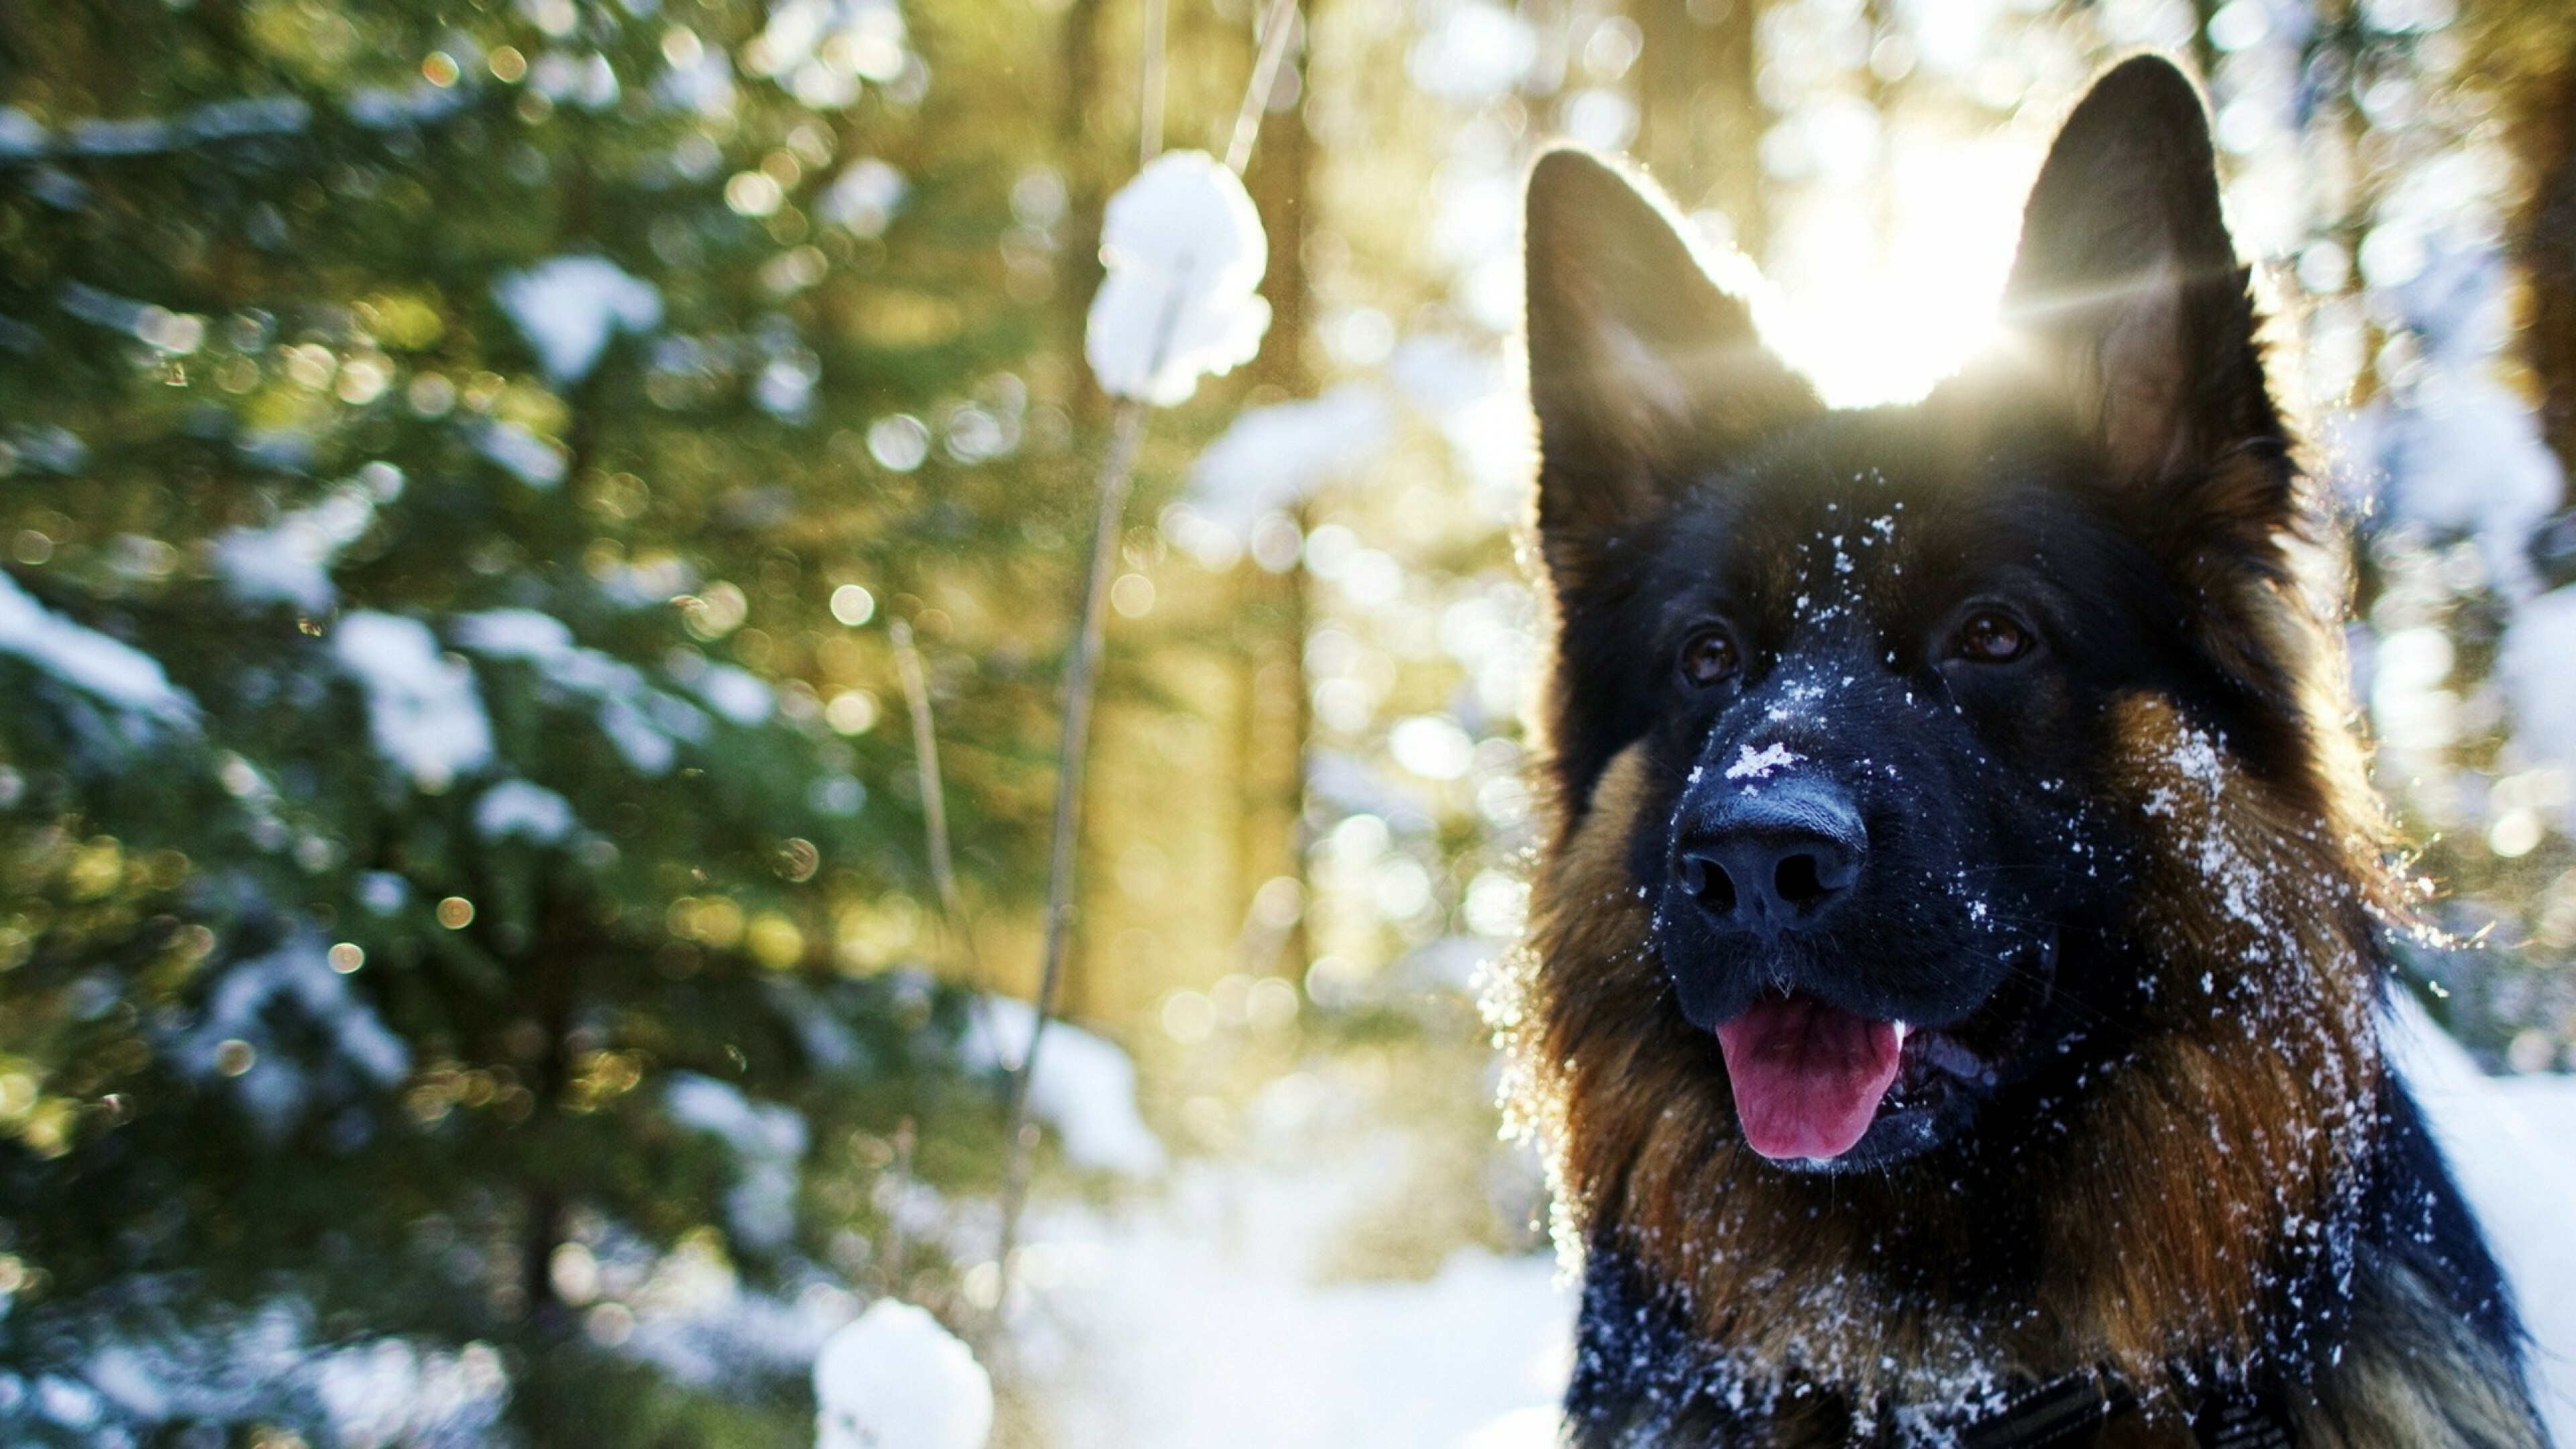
(1951, 1003)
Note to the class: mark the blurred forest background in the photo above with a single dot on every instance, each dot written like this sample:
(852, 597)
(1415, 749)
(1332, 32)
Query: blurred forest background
(470, 967)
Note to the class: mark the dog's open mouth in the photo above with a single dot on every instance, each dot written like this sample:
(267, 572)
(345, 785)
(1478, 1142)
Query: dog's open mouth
(1809, 1078)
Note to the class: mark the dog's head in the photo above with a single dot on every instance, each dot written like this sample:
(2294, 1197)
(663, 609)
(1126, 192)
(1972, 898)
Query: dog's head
(1860, 696)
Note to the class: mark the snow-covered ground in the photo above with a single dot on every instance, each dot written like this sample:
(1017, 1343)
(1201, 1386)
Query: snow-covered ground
(1214, 1312)
(2512, 1143)
(1198, 1330)
(1209, 1315)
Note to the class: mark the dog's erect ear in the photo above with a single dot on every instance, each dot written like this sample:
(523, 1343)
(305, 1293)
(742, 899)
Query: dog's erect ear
(2129, 285)
(1638, 363)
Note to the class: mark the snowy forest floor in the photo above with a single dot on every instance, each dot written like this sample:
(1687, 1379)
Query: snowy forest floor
(1354, 1269)
(1312, 1285)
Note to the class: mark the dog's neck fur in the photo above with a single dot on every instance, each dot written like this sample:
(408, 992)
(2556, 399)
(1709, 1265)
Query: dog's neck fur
(2223, 1157)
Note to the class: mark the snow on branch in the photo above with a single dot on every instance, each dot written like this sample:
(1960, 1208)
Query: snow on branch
(108, 670)
(130, 1364)
(768, 1141)
(290, 561)
(532, 460)
(1184, 251)
(646, 725)
(820, 50)
(283, 1083)
(520, 810)
(422, 706)
(568, 307)
(23, 137)
(1085, 1088)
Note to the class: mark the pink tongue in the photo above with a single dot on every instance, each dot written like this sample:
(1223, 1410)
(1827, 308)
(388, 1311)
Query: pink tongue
(1807, 1078)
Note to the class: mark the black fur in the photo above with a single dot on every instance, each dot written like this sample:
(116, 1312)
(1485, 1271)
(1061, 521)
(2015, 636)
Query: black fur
(2416, 1214)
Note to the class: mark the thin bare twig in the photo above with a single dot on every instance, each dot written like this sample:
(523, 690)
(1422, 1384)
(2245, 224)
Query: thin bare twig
(894, 1258)
(934, 796)
(1117, 473)
(934, 816)
(1149, 128)
(1265, 79)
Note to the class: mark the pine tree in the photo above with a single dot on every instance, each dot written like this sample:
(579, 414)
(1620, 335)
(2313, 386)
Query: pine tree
(452, 910)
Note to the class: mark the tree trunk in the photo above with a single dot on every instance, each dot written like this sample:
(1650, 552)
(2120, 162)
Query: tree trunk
(1270, 665)
(2547, 236)
(1700, 120)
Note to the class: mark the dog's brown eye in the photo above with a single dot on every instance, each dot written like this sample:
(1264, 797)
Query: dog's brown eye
(1991, 636)
(1708, 657)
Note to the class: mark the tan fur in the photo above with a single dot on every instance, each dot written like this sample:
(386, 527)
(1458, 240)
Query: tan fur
(2414, 1376)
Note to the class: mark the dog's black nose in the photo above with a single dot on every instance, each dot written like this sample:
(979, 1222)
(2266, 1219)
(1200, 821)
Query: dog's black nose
(1776, 860)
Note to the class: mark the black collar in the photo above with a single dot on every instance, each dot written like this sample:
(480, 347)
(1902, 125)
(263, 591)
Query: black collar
(2064, 1410)
(2056, 1412)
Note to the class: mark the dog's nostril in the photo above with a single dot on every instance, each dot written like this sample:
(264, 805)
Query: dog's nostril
(1799, 881)
(1714, 887)
(1780, 859)
(1748, 882)
(1707, 882)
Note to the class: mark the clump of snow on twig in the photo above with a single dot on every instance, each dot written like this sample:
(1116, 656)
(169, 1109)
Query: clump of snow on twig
(381, 108)
(1184, 251)
(422, 707)
(820, 50)
(389, 1391)
(738, 694)
(589, 82)
(146, 1372)
(20, 134)
(1085, 1088)
(568, 307)
(895, 1379)
(289, 562)
(109, 670)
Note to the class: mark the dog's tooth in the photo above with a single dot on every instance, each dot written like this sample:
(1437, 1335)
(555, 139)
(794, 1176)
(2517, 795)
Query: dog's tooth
(1951, 1057)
